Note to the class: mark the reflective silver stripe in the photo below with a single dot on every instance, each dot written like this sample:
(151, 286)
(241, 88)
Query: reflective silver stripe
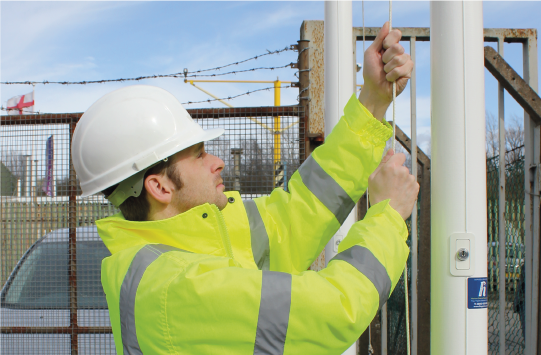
(323, 186)
(144, 257)
(367, 264)
(273, 313)
(259, 236)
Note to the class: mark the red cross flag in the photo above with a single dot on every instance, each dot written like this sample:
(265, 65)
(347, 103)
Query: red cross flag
(21, 104)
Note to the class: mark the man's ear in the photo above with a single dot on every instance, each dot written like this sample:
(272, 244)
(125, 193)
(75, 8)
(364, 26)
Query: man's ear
(159, 188)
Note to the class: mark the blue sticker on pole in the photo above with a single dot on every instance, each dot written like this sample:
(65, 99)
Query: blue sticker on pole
(477, 292)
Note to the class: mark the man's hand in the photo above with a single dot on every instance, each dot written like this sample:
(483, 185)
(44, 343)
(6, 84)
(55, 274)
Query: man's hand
(393, 181)
(384, 62)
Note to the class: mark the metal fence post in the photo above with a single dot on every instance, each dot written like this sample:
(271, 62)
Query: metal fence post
(532, 147)
(236, 166)
(72, 268)
(501, 209)
(414, 236)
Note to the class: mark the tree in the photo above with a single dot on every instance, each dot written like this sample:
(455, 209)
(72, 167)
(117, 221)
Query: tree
(514, 138)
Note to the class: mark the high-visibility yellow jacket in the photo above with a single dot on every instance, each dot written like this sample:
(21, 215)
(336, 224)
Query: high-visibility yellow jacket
(236, 282)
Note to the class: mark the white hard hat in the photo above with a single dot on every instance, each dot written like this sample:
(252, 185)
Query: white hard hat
(127, 131)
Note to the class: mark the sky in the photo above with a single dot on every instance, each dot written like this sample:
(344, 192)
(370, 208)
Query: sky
(76, 41)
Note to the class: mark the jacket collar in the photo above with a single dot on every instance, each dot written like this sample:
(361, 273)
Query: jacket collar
(199, 230)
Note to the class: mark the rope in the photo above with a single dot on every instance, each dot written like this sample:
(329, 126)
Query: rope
(370, 348)
(408, 345)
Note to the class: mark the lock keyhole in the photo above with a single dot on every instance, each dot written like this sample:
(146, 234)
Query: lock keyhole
(462, 254)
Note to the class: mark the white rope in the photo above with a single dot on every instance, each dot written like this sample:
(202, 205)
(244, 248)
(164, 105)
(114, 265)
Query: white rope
(370, 348)
(393, 146)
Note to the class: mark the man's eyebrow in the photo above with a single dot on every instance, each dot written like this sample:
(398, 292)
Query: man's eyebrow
(199, 147)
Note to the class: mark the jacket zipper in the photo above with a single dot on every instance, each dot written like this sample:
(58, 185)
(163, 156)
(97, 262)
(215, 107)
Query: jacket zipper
(224, 233)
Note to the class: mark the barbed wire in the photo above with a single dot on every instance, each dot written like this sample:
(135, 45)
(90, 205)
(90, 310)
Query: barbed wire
(2, 108)
(184, 74)
(175, 75)
(246, 60)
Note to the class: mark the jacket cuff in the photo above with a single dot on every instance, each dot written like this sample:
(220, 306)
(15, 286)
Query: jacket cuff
(363, 123)
(392, 216)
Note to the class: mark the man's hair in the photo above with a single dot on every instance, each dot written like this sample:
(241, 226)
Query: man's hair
(138, 208)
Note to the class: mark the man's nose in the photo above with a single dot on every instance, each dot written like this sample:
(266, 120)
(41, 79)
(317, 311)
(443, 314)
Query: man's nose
(217, 164)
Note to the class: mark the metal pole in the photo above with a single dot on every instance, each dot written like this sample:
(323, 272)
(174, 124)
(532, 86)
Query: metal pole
(458, 318)
(72, 262)
(236, 163)
(414, 254)
(501, 209)
(339, 78)
(531, 210)
(27, 175)
(384, 329)
(278, 168)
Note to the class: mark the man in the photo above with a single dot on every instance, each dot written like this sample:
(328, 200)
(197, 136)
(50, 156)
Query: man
(197, 271)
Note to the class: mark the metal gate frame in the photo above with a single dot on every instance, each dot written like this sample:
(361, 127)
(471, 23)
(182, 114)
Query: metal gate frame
(311, 84)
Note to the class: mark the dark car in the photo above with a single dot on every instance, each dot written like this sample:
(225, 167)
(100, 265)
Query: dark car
(37, 295)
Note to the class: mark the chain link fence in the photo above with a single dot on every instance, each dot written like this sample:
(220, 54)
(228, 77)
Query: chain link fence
(514, 264)
(514, 255)
(52, 301)
(396, 305)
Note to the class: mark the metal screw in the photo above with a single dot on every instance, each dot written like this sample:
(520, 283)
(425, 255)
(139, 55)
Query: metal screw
(462, 254)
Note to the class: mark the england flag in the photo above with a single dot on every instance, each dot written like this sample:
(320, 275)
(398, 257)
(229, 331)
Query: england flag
(21, 104)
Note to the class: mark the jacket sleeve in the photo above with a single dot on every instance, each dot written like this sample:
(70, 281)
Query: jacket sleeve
(290, 229)
(246, 311)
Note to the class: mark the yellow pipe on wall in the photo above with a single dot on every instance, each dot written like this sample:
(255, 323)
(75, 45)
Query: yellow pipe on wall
(277, 119)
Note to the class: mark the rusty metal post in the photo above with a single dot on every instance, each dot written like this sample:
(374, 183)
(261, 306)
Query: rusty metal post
(313, 31)
(423, 286)
(532, 142)
(304, 86)
(502, 245)
(236, 164)
(72, 262)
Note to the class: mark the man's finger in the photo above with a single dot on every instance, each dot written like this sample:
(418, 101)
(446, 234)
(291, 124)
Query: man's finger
(397, 159)
(393, 37)
(387, 156)
(395, 51)
(385, 159)
(397, 61)
(377, 45)
(403, 71)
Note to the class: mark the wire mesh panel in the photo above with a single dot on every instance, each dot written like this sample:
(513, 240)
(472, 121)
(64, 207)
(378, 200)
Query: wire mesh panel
(514, 255)
(261, 149)
(396, 304)
(52, 301)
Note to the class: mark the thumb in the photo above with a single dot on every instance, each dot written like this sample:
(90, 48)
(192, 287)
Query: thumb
(377, 45)
(385, 159)
(387, 156)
